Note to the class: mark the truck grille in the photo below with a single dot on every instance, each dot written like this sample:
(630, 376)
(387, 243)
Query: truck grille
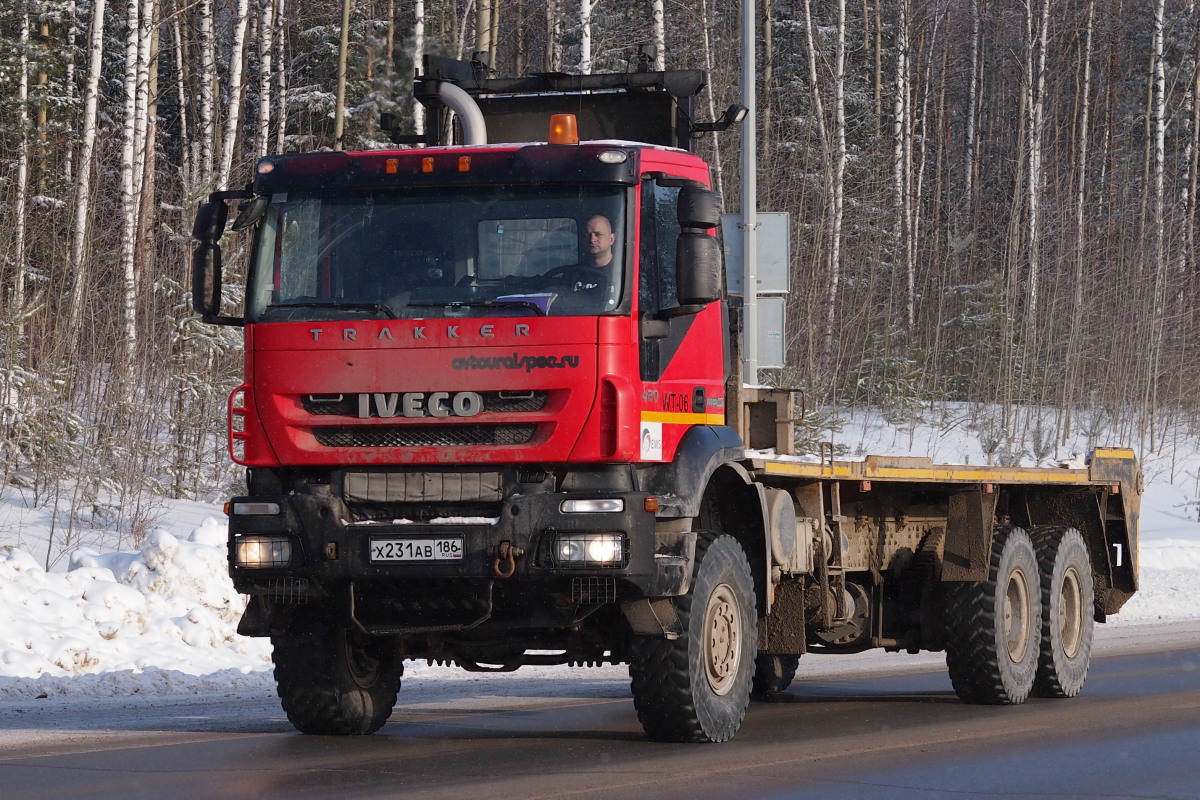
(425, 435)
(346, 405)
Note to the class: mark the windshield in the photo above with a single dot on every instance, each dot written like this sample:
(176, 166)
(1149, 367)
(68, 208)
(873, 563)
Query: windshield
(440, 252)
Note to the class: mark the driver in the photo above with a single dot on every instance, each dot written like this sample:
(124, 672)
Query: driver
(599, 239)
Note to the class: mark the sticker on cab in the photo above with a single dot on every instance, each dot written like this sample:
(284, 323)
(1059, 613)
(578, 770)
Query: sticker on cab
(652, 441)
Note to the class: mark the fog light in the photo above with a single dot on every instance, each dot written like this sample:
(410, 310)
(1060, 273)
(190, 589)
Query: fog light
(589, 550)
(257, 552)
(604, 505)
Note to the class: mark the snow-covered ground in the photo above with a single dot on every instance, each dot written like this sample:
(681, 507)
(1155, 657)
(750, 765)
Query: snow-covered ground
(162, 619)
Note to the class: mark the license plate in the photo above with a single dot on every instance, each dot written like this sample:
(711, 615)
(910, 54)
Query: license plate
(417, 549)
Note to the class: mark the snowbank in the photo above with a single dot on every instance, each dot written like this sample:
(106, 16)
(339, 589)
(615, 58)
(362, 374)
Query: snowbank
(129, 621)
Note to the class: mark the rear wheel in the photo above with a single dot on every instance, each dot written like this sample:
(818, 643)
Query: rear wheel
(333, 680)
(773, 675)
(696, 688)
(994, 627)
(1068, 598)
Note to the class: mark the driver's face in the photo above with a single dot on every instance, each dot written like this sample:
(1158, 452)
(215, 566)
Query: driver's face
(600, 240)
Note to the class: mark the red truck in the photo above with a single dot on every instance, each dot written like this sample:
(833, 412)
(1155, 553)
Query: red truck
(492, 416)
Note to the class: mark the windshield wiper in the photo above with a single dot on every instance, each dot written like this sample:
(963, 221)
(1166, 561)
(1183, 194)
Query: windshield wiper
(378, 308)
(498, 303)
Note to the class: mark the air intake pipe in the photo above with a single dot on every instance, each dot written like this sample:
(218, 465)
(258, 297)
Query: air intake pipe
(469, 115)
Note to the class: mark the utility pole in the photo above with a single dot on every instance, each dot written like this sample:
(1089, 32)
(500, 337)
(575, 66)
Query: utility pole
(749, 200)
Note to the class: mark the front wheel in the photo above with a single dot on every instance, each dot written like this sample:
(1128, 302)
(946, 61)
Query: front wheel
(994, 627)
(696, 688)
(332, 680)
(1068, 598)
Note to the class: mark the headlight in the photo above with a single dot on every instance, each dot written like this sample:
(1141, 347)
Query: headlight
(257, 551)
(603, 505)
(589, 550)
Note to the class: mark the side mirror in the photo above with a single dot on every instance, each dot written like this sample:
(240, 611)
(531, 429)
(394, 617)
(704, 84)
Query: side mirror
(699, 208)
(206, 260)
(206, 280)
(251, 212)
(210, 221)
(698, 268)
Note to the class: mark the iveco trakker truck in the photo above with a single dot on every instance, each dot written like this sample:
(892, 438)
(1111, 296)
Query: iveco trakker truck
(473, 439)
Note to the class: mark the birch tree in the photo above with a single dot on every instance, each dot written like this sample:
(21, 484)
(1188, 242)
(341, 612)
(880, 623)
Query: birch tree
(234, 89)
(83, 190)
(1035, 90)
(266, 39)
(902, 163)
(1081, 188)
(418, 60)
(1158, 313)
(205, 109)
(585, 35)
(20, 209)
(836, 179)
(974, 72)
(658, 35)
(281, 78)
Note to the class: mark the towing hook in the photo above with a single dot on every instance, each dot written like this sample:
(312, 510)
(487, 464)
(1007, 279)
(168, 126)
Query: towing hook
(504, 562)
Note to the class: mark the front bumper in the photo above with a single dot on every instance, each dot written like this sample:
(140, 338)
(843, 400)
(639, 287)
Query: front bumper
(508, 568)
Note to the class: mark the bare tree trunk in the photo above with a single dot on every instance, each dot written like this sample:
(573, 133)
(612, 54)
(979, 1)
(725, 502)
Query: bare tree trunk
(878, 69)
(585, 36)
(1159, 311)
(281, 78)
(705, 23)
(837, 180)
(188, 150)
(83, 192)
(69, 80)
(659, 35)
(16, 309)
(266, 36)
(553, 37)
(131, 168)
(418, 56)
(148, 212)
(339, 107)
(483, 27)
(1188, 183)
(902, 162)
(1035, 76)
(767, 99)
(233, 116)
(972, 107)
(208, 79)
(1074, 345)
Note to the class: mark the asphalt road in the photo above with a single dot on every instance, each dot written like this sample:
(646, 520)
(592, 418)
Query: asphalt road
(1133, 733)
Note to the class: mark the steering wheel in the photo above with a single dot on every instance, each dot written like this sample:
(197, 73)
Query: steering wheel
(572, 275)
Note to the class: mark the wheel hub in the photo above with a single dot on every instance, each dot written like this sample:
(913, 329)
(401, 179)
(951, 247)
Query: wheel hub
(1070, 614)
(1016, 616)
(722, 639)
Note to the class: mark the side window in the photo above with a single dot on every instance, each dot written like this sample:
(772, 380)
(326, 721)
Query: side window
(660, 232)
(298, 251)
(657, 287)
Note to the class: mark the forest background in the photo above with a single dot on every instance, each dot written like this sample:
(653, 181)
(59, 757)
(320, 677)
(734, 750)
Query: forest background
(993, 206)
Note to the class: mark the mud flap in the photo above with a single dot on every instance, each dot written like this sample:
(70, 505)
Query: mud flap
(653, 616)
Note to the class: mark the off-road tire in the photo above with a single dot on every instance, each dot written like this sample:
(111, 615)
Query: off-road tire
(994, 627)
(1068, 608)
(773, 675)
(696, 688)
(332, 680)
